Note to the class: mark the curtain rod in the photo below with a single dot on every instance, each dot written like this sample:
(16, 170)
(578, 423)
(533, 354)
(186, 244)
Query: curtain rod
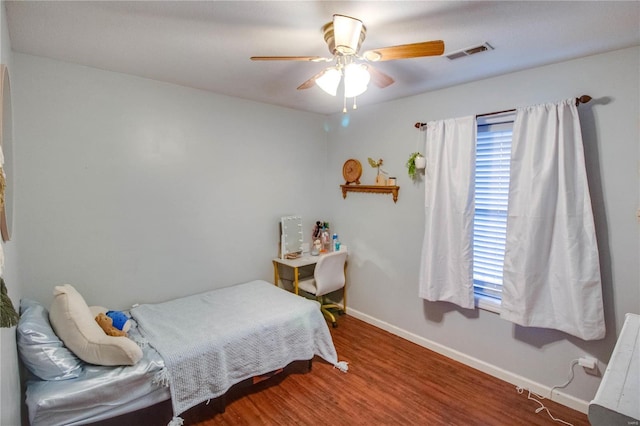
(581, 100)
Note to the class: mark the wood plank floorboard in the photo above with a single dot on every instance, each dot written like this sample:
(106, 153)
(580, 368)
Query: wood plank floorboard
(390, 381)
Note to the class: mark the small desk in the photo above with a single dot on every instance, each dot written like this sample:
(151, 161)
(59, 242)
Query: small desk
(294, 264)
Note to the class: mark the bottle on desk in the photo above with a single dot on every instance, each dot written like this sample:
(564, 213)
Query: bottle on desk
(335, 245)
(317, 247)
(325, 237)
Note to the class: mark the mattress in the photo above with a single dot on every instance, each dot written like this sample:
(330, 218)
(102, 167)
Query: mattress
(98, 393)
(224, 336)
(228, 335)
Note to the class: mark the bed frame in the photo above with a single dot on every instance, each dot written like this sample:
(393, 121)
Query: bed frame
(96, 395)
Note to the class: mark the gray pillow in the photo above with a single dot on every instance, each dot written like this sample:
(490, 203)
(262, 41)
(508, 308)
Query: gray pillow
(41, 351)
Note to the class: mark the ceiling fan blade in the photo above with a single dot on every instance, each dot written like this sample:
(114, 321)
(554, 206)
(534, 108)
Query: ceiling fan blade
(405, 51)
(312, 81)
(289, 58)
(379, 78)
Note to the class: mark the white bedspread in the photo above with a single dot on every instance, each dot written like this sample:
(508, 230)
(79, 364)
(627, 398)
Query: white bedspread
(213, 340)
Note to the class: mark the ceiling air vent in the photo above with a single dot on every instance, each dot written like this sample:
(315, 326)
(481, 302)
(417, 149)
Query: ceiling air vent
(469, 51)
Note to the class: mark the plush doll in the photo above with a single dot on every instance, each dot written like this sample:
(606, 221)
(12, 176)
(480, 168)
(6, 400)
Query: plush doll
(106, 324)
(120, 320)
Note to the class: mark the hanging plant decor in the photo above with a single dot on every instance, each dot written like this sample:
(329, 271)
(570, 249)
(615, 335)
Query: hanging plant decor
(416, 161)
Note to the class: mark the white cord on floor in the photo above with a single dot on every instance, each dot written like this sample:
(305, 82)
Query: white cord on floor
(542, 406)
(573, 364)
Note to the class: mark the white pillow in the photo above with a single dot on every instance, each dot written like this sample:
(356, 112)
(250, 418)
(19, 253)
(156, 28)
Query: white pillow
(76, 326)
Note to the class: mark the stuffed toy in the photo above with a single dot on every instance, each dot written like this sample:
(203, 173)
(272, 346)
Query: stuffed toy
(106, 324)
(120, 320)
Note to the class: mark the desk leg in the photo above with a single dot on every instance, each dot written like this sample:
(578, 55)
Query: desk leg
(276, 278)
(344, 290)
(295, 279)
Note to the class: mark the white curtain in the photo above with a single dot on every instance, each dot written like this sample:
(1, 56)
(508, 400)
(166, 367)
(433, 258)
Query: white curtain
(446, 269)
(551, 265)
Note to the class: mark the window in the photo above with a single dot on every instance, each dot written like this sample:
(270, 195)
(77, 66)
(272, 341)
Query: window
(493, 155)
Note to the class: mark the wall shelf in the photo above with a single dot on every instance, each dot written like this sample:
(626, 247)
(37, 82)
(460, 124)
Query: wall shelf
(379, 189)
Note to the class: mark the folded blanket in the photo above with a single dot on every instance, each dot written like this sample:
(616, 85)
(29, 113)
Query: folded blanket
(213, 340)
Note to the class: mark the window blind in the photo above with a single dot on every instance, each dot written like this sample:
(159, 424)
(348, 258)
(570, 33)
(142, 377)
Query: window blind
(493, 156)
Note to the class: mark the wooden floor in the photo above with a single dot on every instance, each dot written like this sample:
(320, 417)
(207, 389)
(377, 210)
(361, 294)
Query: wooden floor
(390, 382)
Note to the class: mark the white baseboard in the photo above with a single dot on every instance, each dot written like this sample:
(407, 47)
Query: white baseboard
(509, 377)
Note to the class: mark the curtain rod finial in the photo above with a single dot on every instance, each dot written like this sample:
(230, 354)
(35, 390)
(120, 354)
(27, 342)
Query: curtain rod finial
(584, 99)
(418, 125)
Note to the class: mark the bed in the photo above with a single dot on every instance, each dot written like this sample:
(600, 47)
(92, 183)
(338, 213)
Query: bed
(189, 350)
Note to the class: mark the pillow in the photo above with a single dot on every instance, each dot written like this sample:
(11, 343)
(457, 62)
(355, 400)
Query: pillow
(41, 351)
(74, 323)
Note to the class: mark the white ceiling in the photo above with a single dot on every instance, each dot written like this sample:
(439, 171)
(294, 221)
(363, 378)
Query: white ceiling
(207, 44)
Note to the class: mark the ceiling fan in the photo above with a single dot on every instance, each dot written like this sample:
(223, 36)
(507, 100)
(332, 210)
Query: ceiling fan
(344, 37)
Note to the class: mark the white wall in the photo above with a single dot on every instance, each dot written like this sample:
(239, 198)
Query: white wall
(385, 239)
(134, 190)
(9, 383)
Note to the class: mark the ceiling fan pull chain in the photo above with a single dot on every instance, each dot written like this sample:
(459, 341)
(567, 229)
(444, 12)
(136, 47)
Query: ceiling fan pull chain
(355, 106)
(344, 105)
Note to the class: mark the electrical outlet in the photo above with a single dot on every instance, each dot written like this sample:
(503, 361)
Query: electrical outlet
(589, 363)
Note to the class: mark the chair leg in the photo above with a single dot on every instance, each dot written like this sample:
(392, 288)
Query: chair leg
(344, 292)
(330, 316)
(343, 309)
(324, 308)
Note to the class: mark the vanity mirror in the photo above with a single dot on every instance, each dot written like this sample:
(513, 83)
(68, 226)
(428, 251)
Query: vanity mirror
(291, 236)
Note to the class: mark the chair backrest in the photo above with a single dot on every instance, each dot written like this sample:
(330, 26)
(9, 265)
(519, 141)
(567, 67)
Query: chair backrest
(329, 272)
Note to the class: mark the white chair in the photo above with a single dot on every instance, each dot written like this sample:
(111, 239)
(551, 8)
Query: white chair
(328, 277)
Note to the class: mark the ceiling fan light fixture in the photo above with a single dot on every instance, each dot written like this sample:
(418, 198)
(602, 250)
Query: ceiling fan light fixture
(344, 35)
(356, 79)
(346, 32)
(329, 80)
